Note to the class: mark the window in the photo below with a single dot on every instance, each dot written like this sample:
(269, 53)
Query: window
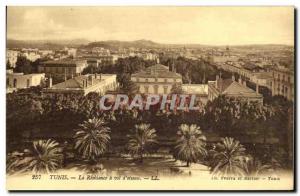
(28, 83)
(146, 80)
(165, 89)
(137, 79)
(166, 80)
(15, 82)
(146, 89)
(155, 89)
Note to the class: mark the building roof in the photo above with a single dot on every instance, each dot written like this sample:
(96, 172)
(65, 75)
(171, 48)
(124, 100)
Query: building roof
(158, 71)
(25, 75)
(223, 84)
(262, 75)
(76, 83)
(65, 62)
(229, 87)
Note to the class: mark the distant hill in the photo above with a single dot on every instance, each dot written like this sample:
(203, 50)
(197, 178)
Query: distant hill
(115, 44)
(45, 44)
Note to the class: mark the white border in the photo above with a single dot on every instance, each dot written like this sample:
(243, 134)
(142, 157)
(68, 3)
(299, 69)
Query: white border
(111, 3)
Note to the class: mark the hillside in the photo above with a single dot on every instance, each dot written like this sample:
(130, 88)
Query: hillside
(45, 44)
(115, 44)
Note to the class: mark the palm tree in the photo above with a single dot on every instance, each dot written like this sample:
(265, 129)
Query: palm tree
(140, 139)
(91, 138)
(229, 158)
(190, 144)
(45, 157)
(254, 167)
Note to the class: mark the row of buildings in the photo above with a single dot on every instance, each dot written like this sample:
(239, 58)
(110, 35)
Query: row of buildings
(33, 54)
(278, 79)
(157, 79)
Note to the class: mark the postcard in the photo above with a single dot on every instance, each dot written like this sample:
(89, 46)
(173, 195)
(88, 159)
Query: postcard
(150, 98)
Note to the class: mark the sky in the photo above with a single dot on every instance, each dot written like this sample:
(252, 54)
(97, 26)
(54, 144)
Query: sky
(178, 25)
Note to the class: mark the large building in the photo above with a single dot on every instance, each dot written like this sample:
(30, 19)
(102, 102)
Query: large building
(283, 83)
(231, 88)
(156, 79)
(108, 60)
(15, 81)
(65, 68)
(99, 60)
(84, 84)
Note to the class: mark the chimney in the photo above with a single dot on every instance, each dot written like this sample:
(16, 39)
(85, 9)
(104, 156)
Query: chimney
(157, 60)
(91, 79)
(65, 74)
(50, 82)
(240, 79)
(217, 79)
(233, 77)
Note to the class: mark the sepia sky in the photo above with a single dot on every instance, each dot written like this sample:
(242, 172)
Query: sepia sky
(184, 25)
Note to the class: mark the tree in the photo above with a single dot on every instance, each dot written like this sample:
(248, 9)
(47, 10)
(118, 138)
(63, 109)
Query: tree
(176, 89)
(190, 144)
(91, 138)
(254, 167)
(8, 65)
(228, 158)
(46, 156)
(221, 115)
(35, 64)
(140, 139)
(23, 65)
(127, 86)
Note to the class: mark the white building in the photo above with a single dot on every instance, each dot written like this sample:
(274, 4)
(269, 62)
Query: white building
(31, 56)
(262, 79)
(12, 56)
(156, 79)
(19, 80)
(200, 90)
(283, 83)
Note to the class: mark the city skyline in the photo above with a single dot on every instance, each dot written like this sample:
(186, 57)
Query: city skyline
(168, 25)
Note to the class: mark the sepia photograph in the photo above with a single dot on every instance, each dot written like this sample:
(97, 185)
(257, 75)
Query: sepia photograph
(149, 98)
